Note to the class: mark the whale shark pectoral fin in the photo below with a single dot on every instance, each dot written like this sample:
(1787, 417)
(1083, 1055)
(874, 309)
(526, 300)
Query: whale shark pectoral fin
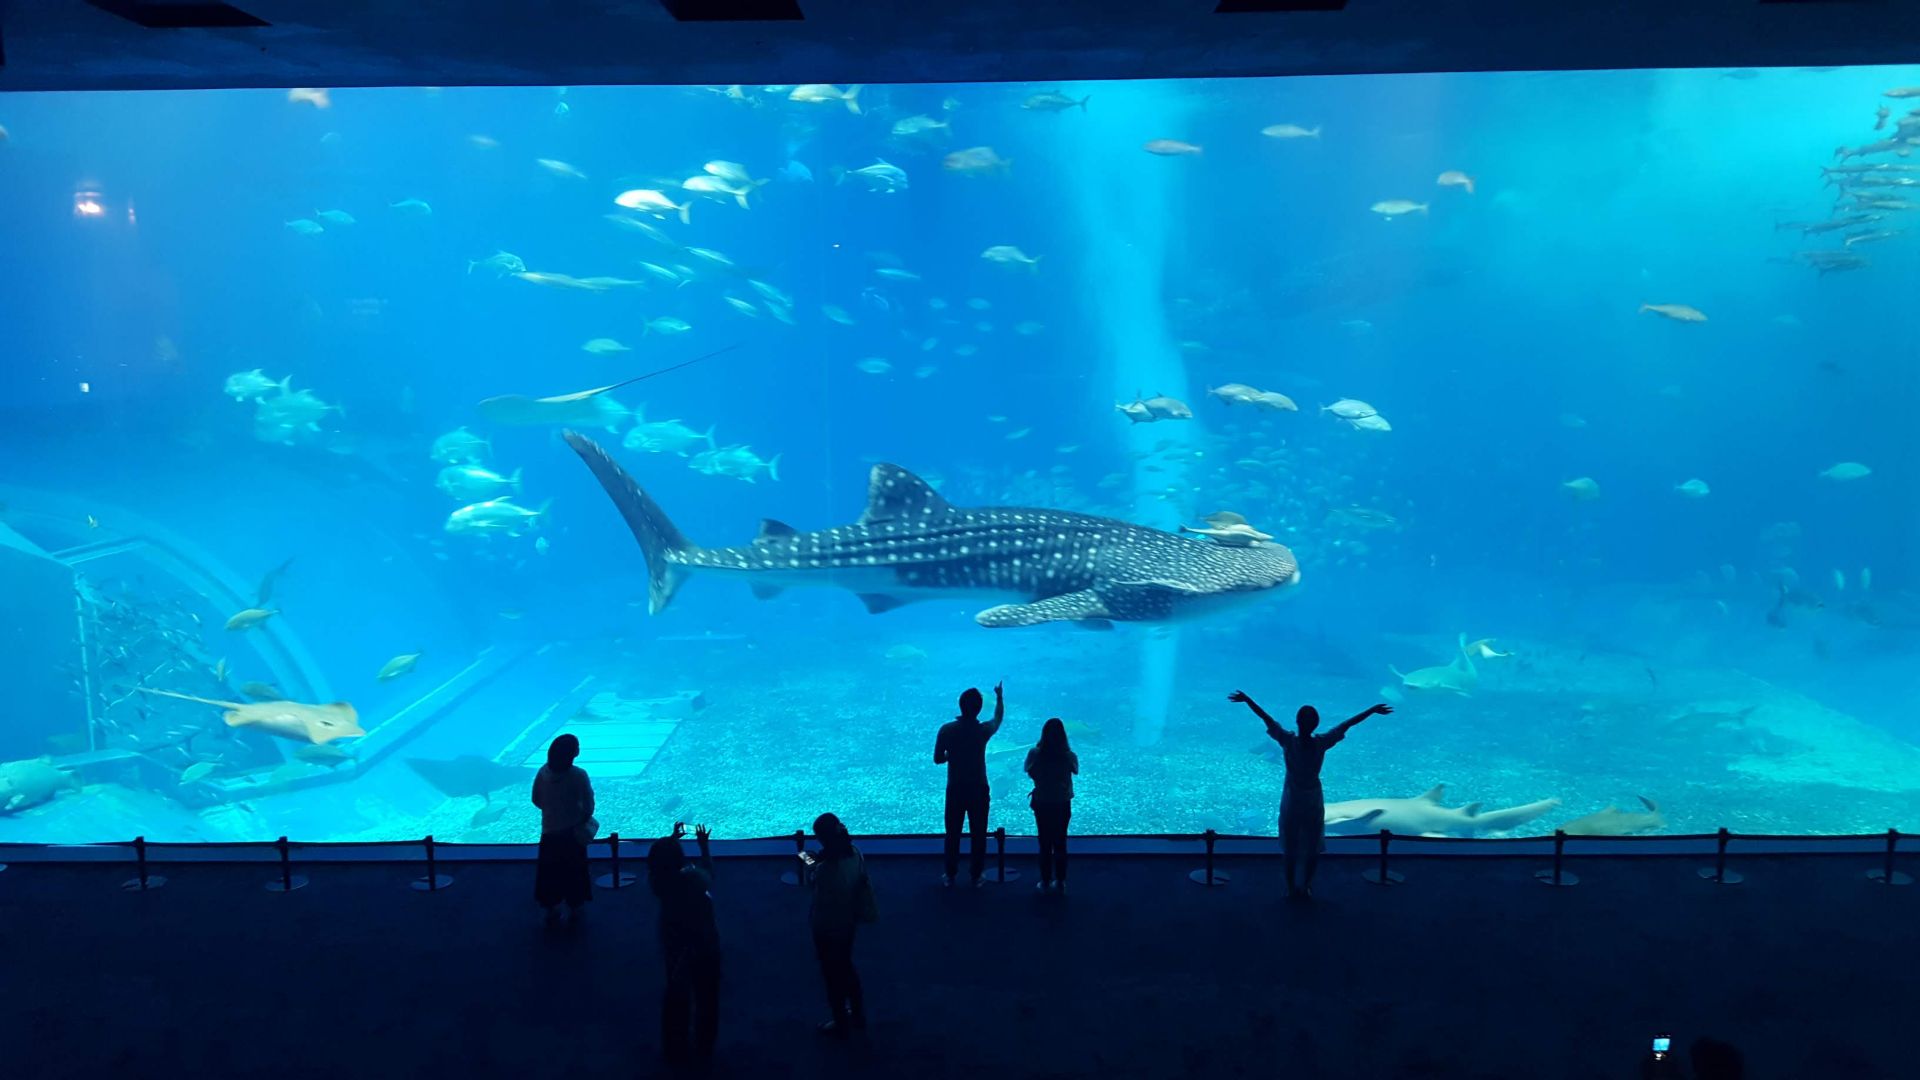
(1067, 607)
(879, 602)
(766, 592)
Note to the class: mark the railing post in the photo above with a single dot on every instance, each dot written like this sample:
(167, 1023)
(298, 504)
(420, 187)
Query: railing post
(614, 879)
(1718, 872)
(434, 881)
(1557, 876)
(142, 881)
(1208, 876)
(288, 880)
(1381, 875)
(1000, 844)
(1886, 874)
(796, 875)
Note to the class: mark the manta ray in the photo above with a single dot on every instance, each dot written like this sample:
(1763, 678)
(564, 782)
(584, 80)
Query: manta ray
(1424, 816)
(315, 724)
(912, 544)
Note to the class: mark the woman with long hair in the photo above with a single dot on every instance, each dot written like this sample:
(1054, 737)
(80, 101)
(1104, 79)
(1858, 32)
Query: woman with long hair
(1052, 764)
(842, 900)
(689, 943)
(565, 797)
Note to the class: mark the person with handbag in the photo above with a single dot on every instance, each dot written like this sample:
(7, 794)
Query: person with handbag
(565, 797)
(1052, 764)
(842, 900)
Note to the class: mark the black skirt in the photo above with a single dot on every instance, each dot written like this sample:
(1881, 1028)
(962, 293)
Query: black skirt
(560, 874)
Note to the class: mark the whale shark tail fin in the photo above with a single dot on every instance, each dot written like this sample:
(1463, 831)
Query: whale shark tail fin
(656, 533)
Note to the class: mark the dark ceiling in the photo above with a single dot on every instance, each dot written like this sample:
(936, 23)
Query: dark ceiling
(133, 44)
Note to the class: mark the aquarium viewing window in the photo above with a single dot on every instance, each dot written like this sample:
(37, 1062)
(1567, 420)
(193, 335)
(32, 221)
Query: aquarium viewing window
(402, 430)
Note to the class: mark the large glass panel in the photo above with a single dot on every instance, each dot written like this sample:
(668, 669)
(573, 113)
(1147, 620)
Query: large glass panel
(1581, 400)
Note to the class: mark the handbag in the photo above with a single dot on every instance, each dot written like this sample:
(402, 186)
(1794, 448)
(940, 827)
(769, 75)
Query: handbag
(584, 833)
(866, 906)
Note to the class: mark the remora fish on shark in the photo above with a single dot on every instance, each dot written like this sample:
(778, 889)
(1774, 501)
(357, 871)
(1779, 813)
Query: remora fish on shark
(911, 544)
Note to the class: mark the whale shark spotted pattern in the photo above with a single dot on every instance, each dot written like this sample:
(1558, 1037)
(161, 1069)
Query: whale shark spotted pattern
(911, 544)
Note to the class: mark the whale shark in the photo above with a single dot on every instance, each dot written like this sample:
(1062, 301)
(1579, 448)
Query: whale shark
(912, 544)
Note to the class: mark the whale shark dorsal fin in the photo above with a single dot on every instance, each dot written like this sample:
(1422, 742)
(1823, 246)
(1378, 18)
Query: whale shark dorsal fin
(1648, 803)
(894, 494)
(1433, 793)
(1472, 809)
(769, 529)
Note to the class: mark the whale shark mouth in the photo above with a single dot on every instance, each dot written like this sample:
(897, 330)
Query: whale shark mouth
(912, 544)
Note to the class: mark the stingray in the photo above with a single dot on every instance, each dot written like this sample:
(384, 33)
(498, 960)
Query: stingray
(571, 408)
(314, 724)
(469, 775)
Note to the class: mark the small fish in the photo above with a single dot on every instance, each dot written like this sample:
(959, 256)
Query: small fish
(1839, 580)
(305, 227)
(650, 201)
(924, 371)
(1008, 255)
(251, 617)
(483, 142)
(1693, 489)
(335, 217)
(1866, 578)
(602, 346)
(1846, 470)
(560, 168)
(1028, 328)
(667, 325)
(918, 125)
(975, 161)
(1054, 101)
(837, 314)
(821, 93)
(1456, 178)
(197, 771)
(894, 273)
(1676, 312)
(412, 207)
(309, 95)
(1170, 148)
(220, 671)
(1290, 131)
(92, 522)
(1583, 489)
(1019, 433)
(873, 365)
(1393, 208)
(261, 691)
(398, 666)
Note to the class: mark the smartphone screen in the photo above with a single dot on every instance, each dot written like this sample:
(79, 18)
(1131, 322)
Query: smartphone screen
(807, 857)
(1661, 1044)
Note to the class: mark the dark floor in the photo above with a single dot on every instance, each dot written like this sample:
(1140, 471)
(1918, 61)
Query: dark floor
(1470, 969)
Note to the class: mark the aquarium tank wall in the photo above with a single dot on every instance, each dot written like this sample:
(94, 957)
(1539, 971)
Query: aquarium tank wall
(358, 442)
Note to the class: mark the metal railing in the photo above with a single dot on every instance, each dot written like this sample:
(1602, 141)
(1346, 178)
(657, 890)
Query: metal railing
(1384, 847)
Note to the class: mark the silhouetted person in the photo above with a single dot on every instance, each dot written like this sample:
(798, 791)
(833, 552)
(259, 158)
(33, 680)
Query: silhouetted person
(689, 943)
(962, 748)
(1303, 805)
(842, 900)
(1052, 764)
(565, 797)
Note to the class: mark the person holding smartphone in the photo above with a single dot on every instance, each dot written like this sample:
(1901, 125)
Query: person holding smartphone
(842, 900)
(962, 747)
(689, 943)
(1052, 764)
(1303, 803)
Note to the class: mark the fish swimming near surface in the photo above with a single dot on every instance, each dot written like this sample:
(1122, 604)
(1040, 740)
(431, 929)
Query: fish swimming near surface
(1614, 821)
(1423, 815)
(912, 544)
(316, 724)
(267, 582)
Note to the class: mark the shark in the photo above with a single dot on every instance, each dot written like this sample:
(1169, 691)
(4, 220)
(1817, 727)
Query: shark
(1424, 816)
(912, 544)
(1614, 821)
(1458, 676)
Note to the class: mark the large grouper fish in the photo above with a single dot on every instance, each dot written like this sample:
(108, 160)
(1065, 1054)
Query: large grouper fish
(911, 544)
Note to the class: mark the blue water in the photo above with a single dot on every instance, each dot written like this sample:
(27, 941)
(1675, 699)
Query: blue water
(148, 257)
